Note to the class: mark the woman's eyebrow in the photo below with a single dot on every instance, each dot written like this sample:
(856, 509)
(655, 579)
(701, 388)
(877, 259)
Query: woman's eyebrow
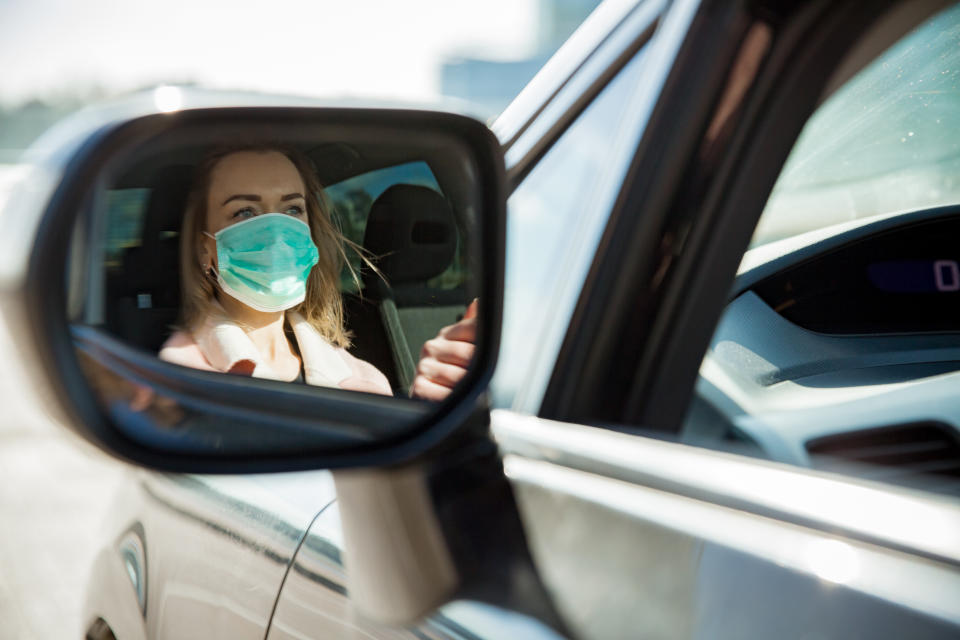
(292, 196)
(241, 196)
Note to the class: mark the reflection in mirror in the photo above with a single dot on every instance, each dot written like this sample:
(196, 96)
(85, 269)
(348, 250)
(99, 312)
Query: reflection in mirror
(346, 263)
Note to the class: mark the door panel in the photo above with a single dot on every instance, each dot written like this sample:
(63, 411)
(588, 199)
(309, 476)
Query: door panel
(653, 554)
(217, 548)
(314, 602)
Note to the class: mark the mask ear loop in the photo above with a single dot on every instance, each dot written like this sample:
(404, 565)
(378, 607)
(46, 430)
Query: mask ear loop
(210, 271)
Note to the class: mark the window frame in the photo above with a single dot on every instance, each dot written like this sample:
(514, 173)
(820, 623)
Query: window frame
(660, 280)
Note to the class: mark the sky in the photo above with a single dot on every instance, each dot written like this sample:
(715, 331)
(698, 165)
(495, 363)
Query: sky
(327, 48)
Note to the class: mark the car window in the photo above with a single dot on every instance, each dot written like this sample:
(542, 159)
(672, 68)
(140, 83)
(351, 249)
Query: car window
(352, 199)
(126, 211)
(839, 349)
(143, 228)
(554, 221)
(886, 142)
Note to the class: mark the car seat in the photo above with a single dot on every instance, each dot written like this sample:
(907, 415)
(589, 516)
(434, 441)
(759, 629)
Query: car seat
(412, 235)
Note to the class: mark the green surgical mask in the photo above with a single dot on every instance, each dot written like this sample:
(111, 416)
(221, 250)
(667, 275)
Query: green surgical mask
(264, 262)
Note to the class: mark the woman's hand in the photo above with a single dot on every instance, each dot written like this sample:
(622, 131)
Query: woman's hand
(444, 359)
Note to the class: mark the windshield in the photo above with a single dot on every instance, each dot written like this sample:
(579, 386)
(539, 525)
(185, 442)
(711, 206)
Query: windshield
(887, 142)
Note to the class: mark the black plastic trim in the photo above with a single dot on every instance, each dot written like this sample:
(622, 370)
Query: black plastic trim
(602, 348)
(303, 403)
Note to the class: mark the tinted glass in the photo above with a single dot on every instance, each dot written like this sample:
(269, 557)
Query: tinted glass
(554, 221)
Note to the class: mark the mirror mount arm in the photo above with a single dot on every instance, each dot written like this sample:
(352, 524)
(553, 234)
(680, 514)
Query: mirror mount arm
(443, 528)
(399, 568)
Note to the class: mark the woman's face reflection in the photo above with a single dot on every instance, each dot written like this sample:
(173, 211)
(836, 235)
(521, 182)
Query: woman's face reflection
(243, 185)
(249, 183)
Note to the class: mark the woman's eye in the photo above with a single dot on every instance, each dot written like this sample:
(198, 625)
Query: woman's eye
(294, 210)
(242, 214)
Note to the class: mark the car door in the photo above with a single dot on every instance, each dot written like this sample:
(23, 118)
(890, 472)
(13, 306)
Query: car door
(636, 534)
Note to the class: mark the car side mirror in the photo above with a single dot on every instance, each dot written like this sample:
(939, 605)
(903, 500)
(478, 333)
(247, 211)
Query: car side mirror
(393, 225)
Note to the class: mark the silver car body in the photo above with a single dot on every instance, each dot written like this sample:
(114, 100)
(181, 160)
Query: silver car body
(633, 537)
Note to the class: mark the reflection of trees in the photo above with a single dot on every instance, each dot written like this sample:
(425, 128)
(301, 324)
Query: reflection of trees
(125, 218)
(20, 126)
(352, 209)
(455, 275)
(24, 122)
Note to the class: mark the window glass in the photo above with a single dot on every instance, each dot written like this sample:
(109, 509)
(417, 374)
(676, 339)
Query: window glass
(839, 350)
(125, 216)
(141, 287)
(886, 142)
(351, 199)
(554, 221)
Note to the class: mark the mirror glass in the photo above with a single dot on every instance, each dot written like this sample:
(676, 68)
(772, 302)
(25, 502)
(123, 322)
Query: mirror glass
(293, 258)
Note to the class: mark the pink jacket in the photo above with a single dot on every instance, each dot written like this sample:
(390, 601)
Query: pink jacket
(222, 345)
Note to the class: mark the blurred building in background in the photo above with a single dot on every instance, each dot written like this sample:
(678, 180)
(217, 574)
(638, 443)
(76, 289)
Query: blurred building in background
(468, 56)
(489, 84)
(22, 124)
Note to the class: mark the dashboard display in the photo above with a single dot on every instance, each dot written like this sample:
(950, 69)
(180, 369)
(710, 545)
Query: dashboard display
(904, 280)
(915, 276)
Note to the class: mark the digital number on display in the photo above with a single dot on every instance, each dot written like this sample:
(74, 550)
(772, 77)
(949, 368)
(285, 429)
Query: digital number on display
(915, 276)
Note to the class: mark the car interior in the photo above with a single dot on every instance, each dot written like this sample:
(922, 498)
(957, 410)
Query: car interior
(412, 222)
(843, 355)
(839, 348)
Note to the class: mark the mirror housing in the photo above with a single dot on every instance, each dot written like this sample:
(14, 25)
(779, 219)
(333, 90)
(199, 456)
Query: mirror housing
(250, 425)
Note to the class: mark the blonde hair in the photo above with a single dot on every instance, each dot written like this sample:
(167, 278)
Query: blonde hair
(323, 305)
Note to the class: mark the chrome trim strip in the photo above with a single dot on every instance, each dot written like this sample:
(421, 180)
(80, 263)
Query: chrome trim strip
(558, 70)
(880, 514)
(551, 119)
(922, 585)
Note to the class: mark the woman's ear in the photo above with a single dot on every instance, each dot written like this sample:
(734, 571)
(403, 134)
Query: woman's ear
(206, 254)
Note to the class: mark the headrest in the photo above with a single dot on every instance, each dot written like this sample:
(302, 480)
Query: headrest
(412, 232)
(168, 199)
